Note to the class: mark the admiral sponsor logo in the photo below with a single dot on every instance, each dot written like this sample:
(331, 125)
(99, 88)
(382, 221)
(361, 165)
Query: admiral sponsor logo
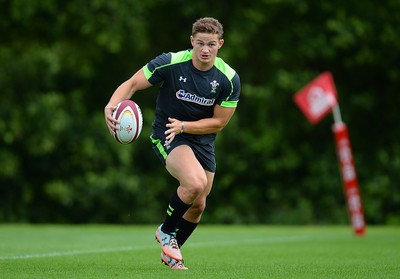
(189, 97)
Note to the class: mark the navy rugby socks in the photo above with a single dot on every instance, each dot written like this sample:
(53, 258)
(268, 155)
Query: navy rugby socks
(175, 211)
(184, 230)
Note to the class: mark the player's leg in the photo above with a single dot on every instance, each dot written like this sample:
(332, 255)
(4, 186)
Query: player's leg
(183, 165)
(193, 180)
(196, 210)
(188, 223)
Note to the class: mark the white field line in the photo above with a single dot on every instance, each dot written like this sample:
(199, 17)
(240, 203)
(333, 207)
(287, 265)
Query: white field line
(272, 240)
(73, 252)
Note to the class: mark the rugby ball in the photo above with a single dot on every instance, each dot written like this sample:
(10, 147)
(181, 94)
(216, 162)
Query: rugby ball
(130, 120)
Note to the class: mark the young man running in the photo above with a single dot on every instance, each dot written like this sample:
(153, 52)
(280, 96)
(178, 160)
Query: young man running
(198, 95)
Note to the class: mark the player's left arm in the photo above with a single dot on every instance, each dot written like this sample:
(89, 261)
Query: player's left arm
(212, 125)
(220, 119)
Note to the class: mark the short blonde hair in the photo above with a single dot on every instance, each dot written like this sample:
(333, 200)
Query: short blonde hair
(208, 25)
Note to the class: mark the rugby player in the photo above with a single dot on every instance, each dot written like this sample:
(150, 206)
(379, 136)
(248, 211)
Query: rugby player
(197, 97)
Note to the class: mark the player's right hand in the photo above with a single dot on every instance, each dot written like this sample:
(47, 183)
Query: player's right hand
(111, 122)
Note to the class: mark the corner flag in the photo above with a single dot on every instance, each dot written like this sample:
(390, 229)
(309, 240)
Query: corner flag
(316, 100)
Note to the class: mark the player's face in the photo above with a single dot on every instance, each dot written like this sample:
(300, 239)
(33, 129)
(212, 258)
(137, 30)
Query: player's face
(205, 49)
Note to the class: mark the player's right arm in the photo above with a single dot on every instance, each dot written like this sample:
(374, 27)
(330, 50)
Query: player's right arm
(124, 92)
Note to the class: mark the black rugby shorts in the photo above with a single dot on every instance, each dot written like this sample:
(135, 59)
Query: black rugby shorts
(205, 153)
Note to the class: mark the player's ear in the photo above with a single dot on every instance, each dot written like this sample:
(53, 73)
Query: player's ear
(221, 42)
(192, 40)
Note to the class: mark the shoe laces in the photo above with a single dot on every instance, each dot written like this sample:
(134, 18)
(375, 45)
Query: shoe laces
(173, 243)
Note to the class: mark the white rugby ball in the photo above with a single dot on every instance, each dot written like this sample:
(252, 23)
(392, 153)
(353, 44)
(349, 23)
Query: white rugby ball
(129, 115)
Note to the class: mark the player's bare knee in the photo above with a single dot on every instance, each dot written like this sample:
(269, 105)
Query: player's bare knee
(197, 186)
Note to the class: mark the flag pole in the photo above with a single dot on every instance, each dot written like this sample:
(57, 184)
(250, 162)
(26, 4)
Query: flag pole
(348, 172)
(336, 114)
(316, 100)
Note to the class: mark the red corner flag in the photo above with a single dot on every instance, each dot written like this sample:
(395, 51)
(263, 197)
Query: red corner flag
(317, 98)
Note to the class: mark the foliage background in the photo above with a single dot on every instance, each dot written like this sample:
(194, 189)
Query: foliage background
(60, 61)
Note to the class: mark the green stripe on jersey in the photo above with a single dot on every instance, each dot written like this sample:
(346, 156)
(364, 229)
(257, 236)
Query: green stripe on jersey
(176, 57)
(229, 104)
(225, 68)
(147, 72)
(181, 56)
(229, 73)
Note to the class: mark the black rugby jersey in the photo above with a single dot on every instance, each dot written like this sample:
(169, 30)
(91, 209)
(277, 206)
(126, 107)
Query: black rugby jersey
(188, 94)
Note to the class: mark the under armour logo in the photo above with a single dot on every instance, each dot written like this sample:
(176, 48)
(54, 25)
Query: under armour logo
(167, 145)
(182, 79)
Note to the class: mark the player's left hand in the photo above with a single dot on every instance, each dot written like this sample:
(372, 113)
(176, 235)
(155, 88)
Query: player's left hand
(174, 127)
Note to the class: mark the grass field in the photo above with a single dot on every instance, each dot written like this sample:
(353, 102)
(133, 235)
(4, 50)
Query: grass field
(96, 251)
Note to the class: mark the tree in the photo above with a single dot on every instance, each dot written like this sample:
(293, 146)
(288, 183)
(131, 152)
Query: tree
(60, 62)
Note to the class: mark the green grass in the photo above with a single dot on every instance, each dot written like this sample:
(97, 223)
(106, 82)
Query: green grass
(52, 251)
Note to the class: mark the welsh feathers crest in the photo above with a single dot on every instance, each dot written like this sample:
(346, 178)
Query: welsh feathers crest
(214, 84)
